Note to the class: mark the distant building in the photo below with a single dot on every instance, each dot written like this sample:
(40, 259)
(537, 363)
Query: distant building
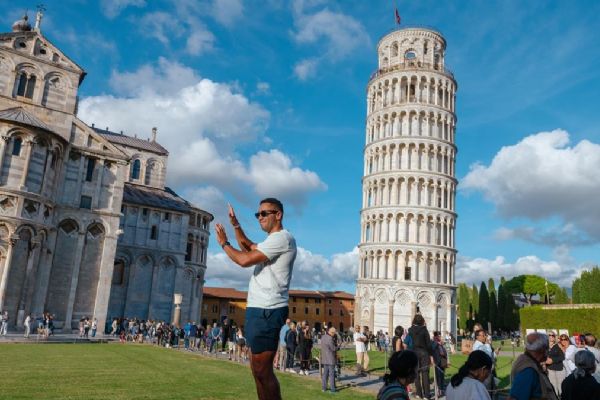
(319, 308)
(87, 226)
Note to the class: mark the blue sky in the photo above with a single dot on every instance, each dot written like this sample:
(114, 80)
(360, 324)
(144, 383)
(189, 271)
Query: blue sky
(258, 98)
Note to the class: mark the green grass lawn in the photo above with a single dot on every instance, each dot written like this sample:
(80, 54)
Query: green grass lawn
(377, 361)
(115, 371)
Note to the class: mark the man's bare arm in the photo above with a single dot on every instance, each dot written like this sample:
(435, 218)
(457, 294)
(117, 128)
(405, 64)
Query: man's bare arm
(241, 258)
(243, 241)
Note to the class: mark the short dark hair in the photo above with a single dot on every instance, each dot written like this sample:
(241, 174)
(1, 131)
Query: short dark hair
(437, 333)
(402, 364)
(273, 201)
(399, 331)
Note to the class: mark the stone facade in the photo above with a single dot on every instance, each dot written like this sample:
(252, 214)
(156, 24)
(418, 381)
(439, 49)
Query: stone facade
(87, 226)
(408, 219)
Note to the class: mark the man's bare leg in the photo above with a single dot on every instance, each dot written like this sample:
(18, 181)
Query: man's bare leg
(267, 385)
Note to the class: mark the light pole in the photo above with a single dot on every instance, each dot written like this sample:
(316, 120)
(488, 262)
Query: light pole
(177, 300)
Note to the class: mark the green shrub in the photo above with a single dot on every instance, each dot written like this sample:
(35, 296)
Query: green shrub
(575, 320)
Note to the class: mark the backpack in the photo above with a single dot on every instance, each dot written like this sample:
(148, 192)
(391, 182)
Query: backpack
(408, 341)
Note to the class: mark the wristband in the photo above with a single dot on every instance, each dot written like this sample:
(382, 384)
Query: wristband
(225, 244)
(236, 226)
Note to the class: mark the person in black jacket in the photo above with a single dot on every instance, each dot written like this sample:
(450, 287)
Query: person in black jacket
(554, 363)
(421, 344)
(290, 345)
(581, 385)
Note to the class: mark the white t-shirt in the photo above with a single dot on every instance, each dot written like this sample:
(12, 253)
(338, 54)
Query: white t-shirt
(360, 345)
(469, 389)
(270, 282)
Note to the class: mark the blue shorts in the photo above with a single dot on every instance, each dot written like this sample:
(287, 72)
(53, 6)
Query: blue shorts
(262, 327)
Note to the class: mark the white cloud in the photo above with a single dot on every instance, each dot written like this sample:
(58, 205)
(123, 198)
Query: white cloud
(200, 40)
(274, 176)
(542, 177)
(203, 124)
(311, 271)
(112, 8)
(160, 25)
(306, 68)
(227, 12)
(566, 234)
(337, 35)
(475, 270)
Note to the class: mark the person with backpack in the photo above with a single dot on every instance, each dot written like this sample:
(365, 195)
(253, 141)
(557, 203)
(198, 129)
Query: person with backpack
(421, 345)
(403, 371)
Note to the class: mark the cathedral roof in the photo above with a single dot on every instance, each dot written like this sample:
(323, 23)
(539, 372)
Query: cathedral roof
(154, 197)
(142, 144)
(21, 116)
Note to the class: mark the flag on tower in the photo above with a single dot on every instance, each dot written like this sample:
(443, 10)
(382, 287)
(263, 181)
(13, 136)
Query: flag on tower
(397, 17)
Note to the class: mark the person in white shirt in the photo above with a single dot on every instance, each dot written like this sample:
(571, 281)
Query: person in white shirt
(267, 304)
(467, 383)
(362, 357)
(27, 326)
(482, 343)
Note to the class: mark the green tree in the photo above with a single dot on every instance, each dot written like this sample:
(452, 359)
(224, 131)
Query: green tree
(561, 297)
(511, 313)
(491, 286)
(493, 310)
(484, 305)
(586, 287)
(501, 320)
(531, 285)
(475, 301)
(463, 306)
(502, 281)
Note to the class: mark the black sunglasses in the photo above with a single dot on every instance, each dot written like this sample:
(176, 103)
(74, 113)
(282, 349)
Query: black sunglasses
(264, 213)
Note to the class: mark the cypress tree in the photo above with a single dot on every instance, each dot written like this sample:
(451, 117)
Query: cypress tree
(463, 306)
(491, 286)
(500, 319)
(493, 314)
(475, 301)
(484, 305)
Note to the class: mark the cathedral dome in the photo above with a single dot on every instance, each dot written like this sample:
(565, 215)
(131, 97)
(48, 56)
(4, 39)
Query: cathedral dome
(22, 25)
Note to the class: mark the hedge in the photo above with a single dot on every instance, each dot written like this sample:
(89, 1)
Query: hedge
(575, 320)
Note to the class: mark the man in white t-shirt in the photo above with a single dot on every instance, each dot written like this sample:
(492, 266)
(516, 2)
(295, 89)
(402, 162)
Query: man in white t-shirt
(267, 304)
(362, 357)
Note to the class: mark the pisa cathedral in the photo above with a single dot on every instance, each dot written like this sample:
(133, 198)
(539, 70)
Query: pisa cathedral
(87, 226)
(408, 218)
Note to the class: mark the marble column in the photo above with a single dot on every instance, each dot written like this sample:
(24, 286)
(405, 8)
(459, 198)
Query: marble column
(44, 269)
(28, 151)
(67, 327)
(3, 141)
(372, 314)
(107, 265)
(98, 188)
(6, 270)
(391, 317)
(28, 283)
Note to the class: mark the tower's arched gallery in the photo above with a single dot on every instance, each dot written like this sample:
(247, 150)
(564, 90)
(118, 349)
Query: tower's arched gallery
(87, 226)
(408, 219)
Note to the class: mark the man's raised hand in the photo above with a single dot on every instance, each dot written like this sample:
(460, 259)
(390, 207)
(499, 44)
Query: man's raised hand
(232, 218)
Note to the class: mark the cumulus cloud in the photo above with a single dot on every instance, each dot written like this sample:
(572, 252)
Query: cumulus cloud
(203, 124)
(542, 177)
(311, 271)
(554, 236)
(263, 88)
(337, 35)
(112, 8)
(475, 270)
(273, 175)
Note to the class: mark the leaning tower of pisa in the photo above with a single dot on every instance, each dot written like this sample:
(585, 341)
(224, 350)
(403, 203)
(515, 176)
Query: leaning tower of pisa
(407, 253)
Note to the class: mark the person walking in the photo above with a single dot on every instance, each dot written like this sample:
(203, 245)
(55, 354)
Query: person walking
(282, 351)
(27, 326)
(291, 342)
(268, 290)
(554, 363)
(362, 357)
(421, 344)
(305, 343)
(94, 326)
(4, 323)
(440, 359)
(328, 359)
(467, 384)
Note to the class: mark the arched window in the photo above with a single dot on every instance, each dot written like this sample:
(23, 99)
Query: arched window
(135, 171)
(25, 85)
(149, 172)
(16, 150)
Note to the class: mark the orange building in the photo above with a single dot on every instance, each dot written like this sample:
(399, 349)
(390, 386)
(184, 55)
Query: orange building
(319, 308)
